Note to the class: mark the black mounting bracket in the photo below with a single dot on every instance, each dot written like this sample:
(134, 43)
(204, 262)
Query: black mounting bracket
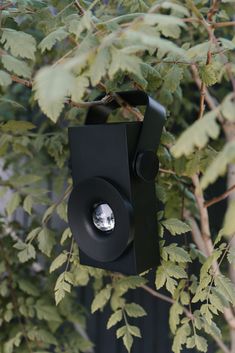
(145, 163)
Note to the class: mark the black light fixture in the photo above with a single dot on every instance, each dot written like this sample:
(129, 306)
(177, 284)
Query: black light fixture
(112, 207)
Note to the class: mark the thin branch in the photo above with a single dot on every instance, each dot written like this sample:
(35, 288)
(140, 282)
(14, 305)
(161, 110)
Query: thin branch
(219, 198)
(79, 7)
(5, 6)
(167, 171)
(166, 299)
(223, 24)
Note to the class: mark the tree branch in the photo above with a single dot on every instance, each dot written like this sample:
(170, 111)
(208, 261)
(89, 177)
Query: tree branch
(219, 198)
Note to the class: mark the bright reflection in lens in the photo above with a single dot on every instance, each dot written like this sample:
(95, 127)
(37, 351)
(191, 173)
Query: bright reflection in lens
(103, 217)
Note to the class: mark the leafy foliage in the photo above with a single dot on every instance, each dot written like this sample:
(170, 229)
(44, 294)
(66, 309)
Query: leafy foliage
(67, 53)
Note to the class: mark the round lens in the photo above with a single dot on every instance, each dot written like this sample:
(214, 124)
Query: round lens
(103, 217)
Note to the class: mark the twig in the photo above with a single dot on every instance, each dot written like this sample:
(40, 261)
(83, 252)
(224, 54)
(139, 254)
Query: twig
(5, 6)
(167, 171)
(219, 198)
(223, 24)
(79, 7)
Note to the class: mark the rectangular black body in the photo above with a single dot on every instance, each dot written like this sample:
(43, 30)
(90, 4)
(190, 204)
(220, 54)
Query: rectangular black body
(107, 151)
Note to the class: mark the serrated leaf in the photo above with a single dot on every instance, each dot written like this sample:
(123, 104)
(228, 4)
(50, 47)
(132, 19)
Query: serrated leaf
(47, 312)
(180, 338)
(46, 241)
(197, 135)
(101, 299)
(52, 86)
(58, 262)
(134, 310)
(27, 251)
(5, 79)
(130, 282)
(226, 287)
(174, 316)
(99, 66)
(13, 203)
(114, 318)
(128, 341)
(123, 62)
(219, 165)
(176, 226)
(52, 38)
(20, 43)
(17, 66)
(176, 253)
(208, 74)
(172, 78)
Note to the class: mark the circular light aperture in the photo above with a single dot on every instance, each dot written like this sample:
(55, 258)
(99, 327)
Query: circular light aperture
(103, 217)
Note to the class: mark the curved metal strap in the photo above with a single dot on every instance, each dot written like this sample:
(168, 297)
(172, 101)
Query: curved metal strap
(154, 117)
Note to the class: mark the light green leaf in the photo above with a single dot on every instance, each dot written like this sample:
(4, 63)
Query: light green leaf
(27, 251)
(229, 220)
(176, 253)
(228, 107)
(33, 234)
(101, 299)
(5, 79)
(17, 126)
(128, 341)
(81, 85)
(175, 7)
(172, 78)
(226, 287)
(124, 62)
(52, 38)
(180, 337)
(99, 66)
(13, 203)
(66, 235)
(27, 204)
(47, 312)
(197, 135)
(174, 318)
(46, 241)
(52, 86)
(219, 165)
(17, 66)
(114, 318)
(20, 43)
(58, 262)
(176, 226)
(130, 282)
(134, 310)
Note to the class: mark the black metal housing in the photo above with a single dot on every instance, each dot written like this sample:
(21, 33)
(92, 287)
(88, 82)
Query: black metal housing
(117, 164)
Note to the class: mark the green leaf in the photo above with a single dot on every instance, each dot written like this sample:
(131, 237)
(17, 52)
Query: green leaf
(124, 62)
(208, 74)
(27, 251)
(226, 287)
(130, 282)
(172, 78)
(66, 235)
(58, 262)
(17, 126)
(114, 318)
(52, 86)
(5, 79)
(229, 220)
(17, 66)
(46, 241)
(13, 203)
(175, 226)
(197, 135)
(42, 335)
(228, 107)
(20, 43)
(180, 338)
(28, 287)
(52, 38)
(176, 253)
(174, 318)
(134, 310)
(47, 312)
(101, 299)
(27, 204)
(128, 341)
(219, 165)
(99, 66)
